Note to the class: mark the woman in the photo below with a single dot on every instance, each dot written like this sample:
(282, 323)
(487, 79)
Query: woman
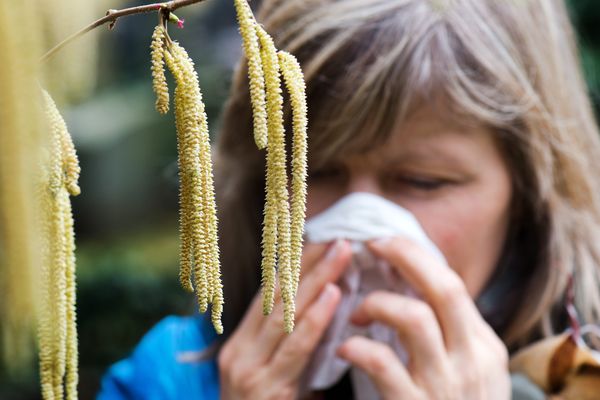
(471, 114)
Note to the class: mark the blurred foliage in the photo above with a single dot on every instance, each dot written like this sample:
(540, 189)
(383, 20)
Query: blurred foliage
(586, 17)
(125, 285)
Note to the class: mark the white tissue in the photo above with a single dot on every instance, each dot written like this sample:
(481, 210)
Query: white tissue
(359, 217)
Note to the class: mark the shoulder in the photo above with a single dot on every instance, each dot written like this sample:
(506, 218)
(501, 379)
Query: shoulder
(175, 357)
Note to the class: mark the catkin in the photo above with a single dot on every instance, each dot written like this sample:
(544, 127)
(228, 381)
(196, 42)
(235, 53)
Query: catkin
(159, 82)
(272, 215)
(57, 328)
(283, 223)
(198, 220)
(294, 82)
(21, 126)
(247, 25)
(185, 204)
(276, 167)
(72, 353)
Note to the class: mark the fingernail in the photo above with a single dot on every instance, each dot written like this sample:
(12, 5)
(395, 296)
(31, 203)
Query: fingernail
(334, 250)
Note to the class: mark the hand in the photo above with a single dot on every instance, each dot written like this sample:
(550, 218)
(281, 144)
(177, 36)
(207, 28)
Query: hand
(261, 361)
(453, 352)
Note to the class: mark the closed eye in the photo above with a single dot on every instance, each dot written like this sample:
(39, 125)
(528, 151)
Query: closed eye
(424, 184)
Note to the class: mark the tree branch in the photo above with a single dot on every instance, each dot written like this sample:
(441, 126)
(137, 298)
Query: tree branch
(112, 16)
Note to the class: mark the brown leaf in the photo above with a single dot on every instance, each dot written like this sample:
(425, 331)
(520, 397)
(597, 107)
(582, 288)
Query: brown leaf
(560, 367)
(585, 385)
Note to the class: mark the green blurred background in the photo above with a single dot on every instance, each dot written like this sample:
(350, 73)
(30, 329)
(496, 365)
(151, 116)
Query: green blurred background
(126, 217)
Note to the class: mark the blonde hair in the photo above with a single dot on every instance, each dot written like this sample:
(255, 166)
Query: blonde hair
(510, 65)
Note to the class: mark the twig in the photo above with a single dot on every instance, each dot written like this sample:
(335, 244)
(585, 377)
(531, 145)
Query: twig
(112, 16)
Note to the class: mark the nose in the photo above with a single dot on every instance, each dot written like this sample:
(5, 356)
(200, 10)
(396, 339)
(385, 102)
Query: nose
(361, 181)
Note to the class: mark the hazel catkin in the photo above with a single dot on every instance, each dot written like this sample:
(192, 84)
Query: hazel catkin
(272, 213)
(159, 82)
(199, 244)
(283, 223)
(247, 26)
(57, 327)
(294, 82)
(276, 170)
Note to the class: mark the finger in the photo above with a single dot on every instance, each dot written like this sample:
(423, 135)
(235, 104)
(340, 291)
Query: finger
(313, 252)
(328, 269)
(440, 285)
(416, 325)
(382, 365)
(293, 353)
(254, 317)
(249, 337)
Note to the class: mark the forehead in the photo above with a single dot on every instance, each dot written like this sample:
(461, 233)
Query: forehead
(427, 135)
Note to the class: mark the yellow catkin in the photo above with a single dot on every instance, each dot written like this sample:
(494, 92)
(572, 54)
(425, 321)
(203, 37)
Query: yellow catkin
(159, 82)
(247, 25)
(45, 329)
(210, 214)
(71, 170)
(56, 257)
(70, 162)
(197, 202)
(294, 82)
(59, 288)
(72, 354)
(270, 233)
(20, 129)
(189, 171)
(52, 369)
(189, 99)
(276, 160)
(269, 241)
(214, 275)
(57, 329)
(185, 205)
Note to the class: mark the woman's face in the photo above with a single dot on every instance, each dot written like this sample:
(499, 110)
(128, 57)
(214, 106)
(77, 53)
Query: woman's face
(453, 179)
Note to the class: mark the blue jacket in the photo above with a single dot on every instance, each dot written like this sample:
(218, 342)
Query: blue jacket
(169, 363)
(174, 360)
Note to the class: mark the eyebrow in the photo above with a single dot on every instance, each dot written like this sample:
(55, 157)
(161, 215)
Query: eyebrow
(431, 153)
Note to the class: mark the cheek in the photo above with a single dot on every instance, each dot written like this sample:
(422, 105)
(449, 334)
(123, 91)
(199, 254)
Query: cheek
(470, 231)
